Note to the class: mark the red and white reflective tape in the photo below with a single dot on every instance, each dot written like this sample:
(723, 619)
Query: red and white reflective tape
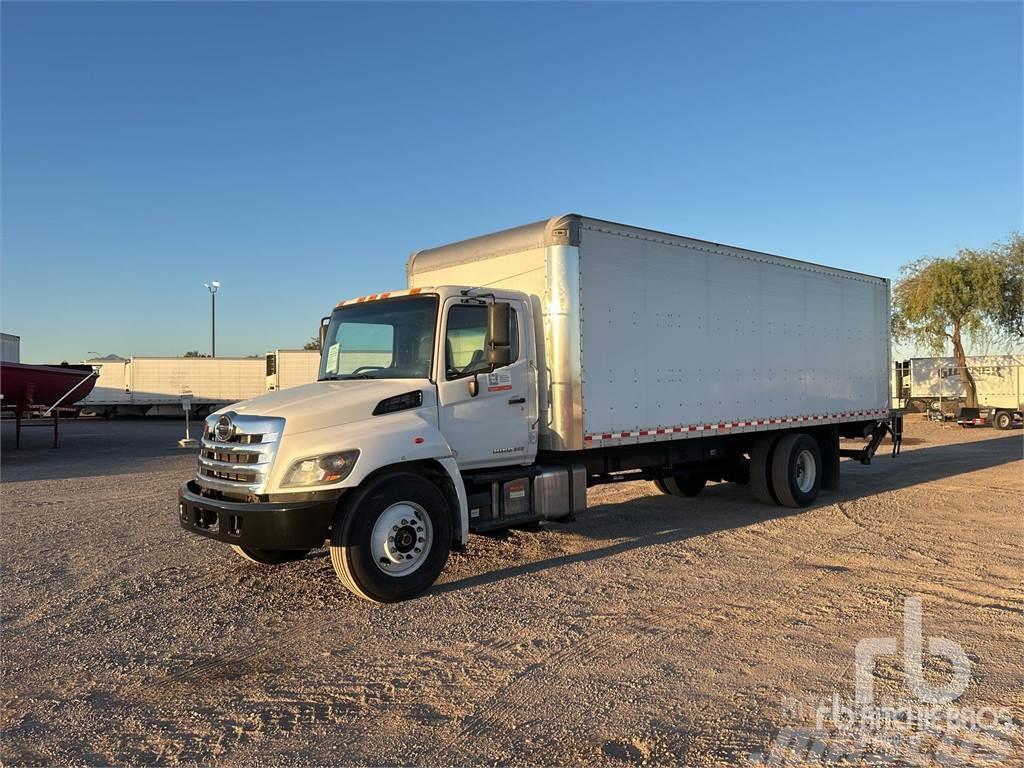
(378, 296)
(652, 433)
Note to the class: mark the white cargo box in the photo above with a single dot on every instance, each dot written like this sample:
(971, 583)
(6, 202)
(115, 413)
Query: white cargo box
(650, 336)
(111, 384)
(207, 379)
(154, 381)
(292, 367)
(997, 378)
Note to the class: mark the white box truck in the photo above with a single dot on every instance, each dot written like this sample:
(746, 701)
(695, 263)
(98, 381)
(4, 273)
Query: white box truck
(934, 385)
(521, 367)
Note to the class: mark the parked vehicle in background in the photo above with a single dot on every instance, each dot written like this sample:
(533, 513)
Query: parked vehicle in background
(518, 368)
(291, 367)
(933, 385)
(154, 386)
(10, 348)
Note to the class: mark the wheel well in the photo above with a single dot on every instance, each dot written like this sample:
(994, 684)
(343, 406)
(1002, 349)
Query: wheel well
(435, 473)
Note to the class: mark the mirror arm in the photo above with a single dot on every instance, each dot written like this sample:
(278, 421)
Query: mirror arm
(324, 324)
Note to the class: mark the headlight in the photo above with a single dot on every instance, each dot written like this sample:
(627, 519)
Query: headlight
(321, 470)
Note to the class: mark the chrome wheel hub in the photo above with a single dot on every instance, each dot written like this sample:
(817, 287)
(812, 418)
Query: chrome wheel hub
(401, 538)
(806, 470)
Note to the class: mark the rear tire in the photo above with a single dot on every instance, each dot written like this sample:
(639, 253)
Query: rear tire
(685, 485)
(270, 556)
(796, 470)
(739, 473)
(761, 470)
(391, 541)
(1003, 420)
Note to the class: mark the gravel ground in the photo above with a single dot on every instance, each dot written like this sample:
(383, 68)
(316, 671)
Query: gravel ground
(651, 630)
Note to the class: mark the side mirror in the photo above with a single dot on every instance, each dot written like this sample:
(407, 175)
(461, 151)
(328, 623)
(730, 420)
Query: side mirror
(324, 323)
(497, 344)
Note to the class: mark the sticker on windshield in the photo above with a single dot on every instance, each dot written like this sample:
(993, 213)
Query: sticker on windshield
(499, 381)
(332, 358)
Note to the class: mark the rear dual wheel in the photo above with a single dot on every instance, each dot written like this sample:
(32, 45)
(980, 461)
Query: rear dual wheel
(681, 485)
(786, 470)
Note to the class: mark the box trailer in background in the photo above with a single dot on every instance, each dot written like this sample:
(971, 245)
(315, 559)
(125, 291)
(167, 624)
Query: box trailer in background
(934, 385)
(155, 386)
(111, 386)
(291, 367)
(521, 367)
(10, 348)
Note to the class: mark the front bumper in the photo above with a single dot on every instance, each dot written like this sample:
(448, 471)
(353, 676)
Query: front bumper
(267, 525)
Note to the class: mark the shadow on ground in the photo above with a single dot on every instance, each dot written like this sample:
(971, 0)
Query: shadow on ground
(724, 506)
(93, 447)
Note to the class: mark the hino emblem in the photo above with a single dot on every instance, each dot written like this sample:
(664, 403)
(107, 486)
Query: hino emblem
(224, 429)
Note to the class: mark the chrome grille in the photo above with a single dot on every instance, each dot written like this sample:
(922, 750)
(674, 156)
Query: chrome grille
(240, 462)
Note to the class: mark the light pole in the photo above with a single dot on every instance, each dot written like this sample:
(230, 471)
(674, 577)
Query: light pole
(213, 316)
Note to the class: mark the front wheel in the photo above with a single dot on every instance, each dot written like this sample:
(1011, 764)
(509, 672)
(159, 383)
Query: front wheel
(1003, 420)
(270, 556)
(391, 541)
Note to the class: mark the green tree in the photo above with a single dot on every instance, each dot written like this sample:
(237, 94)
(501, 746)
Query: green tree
(313, 343)
(195, 353)
(974, 295)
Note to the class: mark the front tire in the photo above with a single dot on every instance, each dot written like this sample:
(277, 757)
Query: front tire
(391, 541)
(1003, 420)
(796, 470)
(270, 556)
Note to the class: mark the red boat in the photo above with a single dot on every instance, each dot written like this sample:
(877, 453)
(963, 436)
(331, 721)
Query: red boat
(23, 386)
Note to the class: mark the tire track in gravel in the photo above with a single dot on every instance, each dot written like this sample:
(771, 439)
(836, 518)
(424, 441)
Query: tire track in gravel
(81, 604)
(968, 597)
(499, 709)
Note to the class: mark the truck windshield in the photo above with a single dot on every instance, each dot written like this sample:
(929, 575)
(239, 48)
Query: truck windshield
(390, 339)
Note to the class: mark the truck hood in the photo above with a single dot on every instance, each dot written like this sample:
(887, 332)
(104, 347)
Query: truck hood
(329, 403)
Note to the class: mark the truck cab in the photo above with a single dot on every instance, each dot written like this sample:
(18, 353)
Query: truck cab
(417, 390)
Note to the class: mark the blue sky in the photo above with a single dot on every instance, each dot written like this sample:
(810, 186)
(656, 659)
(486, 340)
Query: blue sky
(299, 152)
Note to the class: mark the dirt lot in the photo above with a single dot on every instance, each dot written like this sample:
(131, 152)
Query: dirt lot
(651, 630)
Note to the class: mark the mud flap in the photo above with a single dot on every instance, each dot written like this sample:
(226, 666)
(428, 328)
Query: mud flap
(828, 443)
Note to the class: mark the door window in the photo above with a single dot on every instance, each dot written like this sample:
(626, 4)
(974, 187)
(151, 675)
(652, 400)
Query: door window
(464, 340)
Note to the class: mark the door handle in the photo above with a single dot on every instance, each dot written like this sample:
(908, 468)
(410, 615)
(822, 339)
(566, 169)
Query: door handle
(516, 400)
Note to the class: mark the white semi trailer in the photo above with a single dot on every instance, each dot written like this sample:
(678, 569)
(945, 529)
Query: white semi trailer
(153, 386)
(521, 367)
(291, 368)
(934, 384)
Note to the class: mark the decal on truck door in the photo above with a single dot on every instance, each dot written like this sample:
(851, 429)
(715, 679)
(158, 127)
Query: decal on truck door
(499, 381)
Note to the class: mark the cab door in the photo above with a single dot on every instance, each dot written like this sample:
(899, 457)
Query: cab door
(492, 427)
